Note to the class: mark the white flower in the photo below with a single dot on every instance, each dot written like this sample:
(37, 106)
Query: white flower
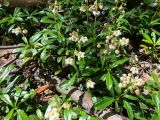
(25, 31)
(90, 84)
(120, 85)
(117, 33)
(74, 36)
(117, 52)
(69, 61)
(83, 39)
(134, 70)
(80, 55)
(96, 13)
(16, 31)
(66, 105)
(82, 8)
(124, 41)
(52, 113)
(54, 10)
(112, 47)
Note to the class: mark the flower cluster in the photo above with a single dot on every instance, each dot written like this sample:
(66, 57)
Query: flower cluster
(76, 38)
(95, 8)
(132, 81)
(56, 8)
(79, 54)
(121, 7)
(114, 43)
(52, 113)
(124, 41)
(83, 8)
(69, 61)
(117, 33)
(133, 59)
(18, 31)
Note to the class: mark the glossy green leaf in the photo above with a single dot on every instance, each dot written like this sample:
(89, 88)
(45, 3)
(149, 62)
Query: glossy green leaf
(43, 55)
(153, 37)
(116, 86)
(39, 114)
(119, 62)
(130, 97)
(128, 107)
(6, 72)
(67, 115)
(67, 83)
(109, 81)
(104, 103)
(33, 117)
(6, 98)
(9, 115)
(22, 115)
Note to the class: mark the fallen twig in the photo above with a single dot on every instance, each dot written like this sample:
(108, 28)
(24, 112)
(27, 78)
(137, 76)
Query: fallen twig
(9, 47)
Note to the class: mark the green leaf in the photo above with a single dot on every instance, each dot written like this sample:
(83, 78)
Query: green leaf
(67, 83)
(117, 107)
(33, 117)
(6, 72)
(128, 107)
(25, 40)
(57, 100)
(130, 97)
(155, 77)
(11, 84)
(119, 62)
(116, 86)
(22, 115)
(6, 99)
(67, 115)
(143, 106)
(104, 103)
(89, 71)
(155, 22)
(156, 100)
(43, 55)
(9, 115)
(153, 37)
(39, 114)
(109, 81)
(35, 38)
(147, 38)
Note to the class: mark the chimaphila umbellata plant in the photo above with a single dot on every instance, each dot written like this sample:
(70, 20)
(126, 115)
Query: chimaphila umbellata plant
(92, 45)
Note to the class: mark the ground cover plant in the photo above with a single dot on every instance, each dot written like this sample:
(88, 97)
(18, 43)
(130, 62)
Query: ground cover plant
(80, 60)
